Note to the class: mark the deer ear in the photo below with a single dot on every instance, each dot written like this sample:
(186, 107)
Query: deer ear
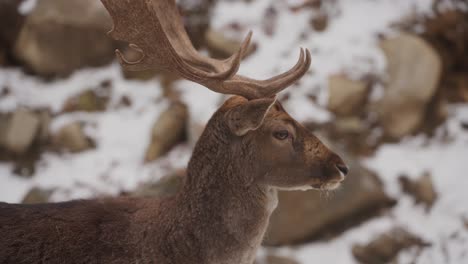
(248, 116)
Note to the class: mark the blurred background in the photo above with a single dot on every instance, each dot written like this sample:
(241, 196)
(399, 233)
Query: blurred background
(387, 90)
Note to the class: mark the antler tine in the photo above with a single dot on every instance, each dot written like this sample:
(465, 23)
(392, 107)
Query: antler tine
(195, 74)
(252, 89)
(155, 30)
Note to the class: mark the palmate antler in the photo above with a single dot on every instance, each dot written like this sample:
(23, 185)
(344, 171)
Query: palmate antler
(154, 28)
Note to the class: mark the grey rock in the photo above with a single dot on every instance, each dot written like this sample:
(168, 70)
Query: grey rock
(303, 215)
(22, 128)
(71, 137)
(37, 195)
(61, 36)
(421, 189)
(345, 96)
(167, 131)
(166, 186)
(385, 247)
(222, 47)
(414, 71)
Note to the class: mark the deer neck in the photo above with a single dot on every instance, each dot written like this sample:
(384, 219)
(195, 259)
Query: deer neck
(218, 193)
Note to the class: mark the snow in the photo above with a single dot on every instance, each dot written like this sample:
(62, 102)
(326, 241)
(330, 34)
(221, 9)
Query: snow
(349, 45)
(27, 6)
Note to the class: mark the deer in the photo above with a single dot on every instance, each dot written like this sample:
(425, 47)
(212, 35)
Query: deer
(250, 148)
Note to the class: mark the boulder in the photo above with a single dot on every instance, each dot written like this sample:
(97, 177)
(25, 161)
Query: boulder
(72, 138)
(92, 100)
(166, 186)
(421, 189)
(319, 22)
(304, 215)
(37, 195)
(385, 247)
(45, 119)
(197, 15)
(414, 70)
(222, 47)
(167, 131)
(345, 96)
(21, 130)
(60, 36)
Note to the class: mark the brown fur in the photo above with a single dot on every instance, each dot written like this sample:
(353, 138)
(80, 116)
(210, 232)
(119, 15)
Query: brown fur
(219, 216)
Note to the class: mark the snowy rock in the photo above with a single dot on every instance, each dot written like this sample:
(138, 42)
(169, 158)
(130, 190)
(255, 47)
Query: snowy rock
(37, 195)
(386, 246)
(44, 118)
(61, 36)
(71, 137)
(414, 71)
(222, 47)
(166, 186)
(88, 101)
(167, 131)
(302, 215)
(421, 189)
(197, 16)
(319, 22)
(346, 96)
(21, 131)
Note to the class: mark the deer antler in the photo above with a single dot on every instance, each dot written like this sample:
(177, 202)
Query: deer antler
(154, 29)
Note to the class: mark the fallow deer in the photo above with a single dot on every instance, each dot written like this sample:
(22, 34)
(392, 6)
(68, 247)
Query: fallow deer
(250, 148)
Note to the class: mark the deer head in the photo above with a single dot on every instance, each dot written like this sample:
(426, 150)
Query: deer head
(251, 128)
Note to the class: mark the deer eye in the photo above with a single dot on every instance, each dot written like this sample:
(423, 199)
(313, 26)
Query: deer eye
(281, 135)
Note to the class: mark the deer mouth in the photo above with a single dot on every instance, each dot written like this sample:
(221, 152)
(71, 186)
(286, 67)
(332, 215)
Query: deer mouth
(330, 184)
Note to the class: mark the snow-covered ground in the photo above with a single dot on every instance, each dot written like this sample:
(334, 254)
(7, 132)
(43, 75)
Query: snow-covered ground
(349, 45)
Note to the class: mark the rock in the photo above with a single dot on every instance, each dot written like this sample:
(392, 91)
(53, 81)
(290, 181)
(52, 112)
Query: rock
(301, 216)
(37, 195)
(314, 4)
(44, 119)
(21, 131)
(167, 131)
(71, 137)
(222, 47)
(414, 70)
(197, 16)
(92, 100)
(456, 87)
(270, 20)
(61, 36)
(422, 189)
(447, 31)
(346, 97)
(11, 24)
(166, 186)
(386, 246)
(319, 22)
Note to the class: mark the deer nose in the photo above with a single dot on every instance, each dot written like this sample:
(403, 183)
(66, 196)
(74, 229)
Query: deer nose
(342, 168)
